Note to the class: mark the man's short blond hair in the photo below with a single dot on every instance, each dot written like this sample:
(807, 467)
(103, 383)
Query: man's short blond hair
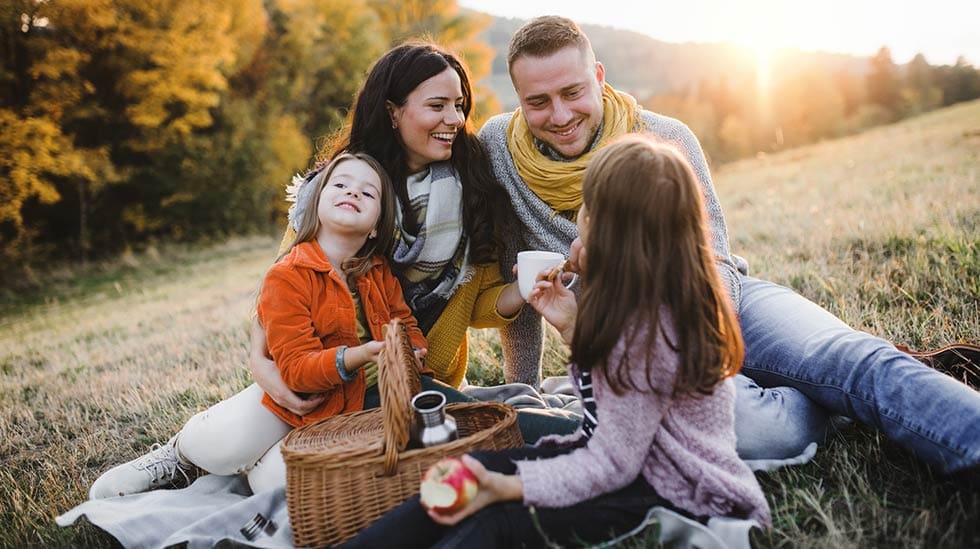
(545, 35)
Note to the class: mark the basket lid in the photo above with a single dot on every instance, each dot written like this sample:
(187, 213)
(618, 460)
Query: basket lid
(398, 382)
(335, 438)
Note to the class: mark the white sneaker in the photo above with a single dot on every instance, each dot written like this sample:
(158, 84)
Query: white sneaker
(161, 466)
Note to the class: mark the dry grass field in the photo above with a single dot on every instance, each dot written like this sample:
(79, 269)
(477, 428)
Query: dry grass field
(882, 228)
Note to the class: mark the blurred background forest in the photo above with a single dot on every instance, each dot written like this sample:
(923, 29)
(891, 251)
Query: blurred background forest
(127, 122)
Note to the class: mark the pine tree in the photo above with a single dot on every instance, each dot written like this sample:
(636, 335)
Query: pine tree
(883, 83)
(961, 82)
(920, 92)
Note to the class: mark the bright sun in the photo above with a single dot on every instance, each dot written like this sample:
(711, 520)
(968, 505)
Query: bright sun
(761, 27)
(763, 67)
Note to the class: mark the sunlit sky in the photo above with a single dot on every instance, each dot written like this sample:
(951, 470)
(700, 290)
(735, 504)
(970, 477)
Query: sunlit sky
(939, 29)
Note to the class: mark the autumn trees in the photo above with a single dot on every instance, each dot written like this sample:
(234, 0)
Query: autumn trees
(808, 97)
(122, 120)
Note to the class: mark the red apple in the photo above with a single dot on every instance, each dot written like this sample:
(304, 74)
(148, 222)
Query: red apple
(448, 486)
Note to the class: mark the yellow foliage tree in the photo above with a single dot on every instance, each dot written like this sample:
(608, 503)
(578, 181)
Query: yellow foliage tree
(324, 49)
(39, 148)
(122, 119)
(32, 148)
(179, 48)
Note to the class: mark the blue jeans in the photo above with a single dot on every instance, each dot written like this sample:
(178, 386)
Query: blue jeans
(791, 341)
(775, 423)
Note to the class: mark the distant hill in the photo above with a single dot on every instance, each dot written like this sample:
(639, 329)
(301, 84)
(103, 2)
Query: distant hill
(644, 66)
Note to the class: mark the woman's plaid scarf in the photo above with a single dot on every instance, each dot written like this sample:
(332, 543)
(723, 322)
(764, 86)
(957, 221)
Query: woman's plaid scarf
(433, 263)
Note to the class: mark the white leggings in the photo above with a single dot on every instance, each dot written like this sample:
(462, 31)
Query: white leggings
(238, 436)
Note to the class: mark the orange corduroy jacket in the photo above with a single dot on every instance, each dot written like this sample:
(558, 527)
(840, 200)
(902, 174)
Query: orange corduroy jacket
(307, 313)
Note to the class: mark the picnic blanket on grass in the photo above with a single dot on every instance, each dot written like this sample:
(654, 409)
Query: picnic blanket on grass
(215, 510)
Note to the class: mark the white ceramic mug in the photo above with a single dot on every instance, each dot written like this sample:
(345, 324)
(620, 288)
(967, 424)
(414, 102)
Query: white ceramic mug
(532, 262)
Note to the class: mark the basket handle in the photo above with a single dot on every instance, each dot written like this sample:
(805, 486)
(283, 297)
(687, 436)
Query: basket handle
(398, 381)
(391, 459)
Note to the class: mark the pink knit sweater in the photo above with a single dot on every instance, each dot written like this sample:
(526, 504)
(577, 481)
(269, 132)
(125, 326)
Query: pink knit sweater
(684, 447)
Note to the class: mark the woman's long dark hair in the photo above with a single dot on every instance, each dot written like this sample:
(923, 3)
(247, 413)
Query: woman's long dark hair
(486, 209)
(647, 253)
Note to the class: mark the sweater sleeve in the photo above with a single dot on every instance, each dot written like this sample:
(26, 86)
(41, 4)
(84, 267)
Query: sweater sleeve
(285, 314)
(678, 134)
(619, 446)
(485, 313)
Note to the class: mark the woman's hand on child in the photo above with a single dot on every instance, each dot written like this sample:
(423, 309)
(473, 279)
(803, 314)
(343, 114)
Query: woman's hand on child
(493, 487)
(297, 404)
(556, 303)
(266, 374)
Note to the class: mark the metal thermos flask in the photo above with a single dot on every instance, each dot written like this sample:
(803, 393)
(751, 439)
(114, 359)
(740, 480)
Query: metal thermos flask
(432, 424)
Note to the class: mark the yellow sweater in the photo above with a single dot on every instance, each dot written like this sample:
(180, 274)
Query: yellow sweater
(473, 304)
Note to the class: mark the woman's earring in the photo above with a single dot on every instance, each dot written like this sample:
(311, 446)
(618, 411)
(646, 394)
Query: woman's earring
(391, 115)
(374, 234)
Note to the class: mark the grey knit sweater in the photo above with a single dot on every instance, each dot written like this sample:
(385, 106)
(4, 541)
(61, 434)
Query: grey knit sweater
(683, 446)
(539, 229)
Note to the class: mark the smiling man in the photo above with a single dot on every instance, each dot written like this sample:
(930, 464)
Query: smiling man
(562, 101)
(539, 154)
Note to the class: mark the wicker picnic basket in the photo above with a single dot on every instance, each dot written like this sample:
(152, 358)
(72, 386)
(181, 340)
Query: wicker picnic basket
(344, 472)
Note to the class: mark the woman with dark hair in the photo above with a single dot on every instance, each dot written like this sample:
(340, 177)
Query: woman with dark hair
(412, 115)
(373, 128)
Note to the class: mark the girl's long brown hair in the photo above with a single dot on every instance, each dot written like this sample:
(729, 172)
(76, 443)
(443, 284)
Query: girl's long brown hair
(647, 252)
(309, 224)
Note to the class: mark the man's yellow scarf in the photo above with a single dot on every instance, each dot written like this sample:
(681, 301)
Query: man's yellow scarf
(560, 183)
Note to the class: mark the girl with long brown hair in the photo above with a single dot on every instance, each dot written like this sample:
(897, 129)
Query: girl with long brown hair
(654, 346)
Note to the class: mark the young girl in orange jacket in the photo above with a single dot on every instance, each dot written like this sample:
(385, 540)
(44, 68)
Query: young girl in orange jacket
(322, 305)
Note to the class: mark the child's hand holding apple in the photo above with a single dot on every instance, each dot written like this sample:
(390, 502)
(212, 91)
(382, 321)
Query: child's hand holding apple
(455, 488)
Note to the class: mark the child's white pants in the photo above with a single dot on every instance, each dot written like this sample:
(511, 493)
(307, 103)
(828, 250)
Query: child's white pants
(238, 436)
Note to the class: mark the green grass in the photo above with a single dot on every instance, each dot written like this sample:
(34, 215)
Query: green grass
(882, 228)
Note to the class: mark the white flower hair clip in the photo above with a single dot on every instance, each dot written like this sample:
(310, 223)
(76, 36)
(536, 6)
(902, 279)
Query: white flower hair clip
(299, 192)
